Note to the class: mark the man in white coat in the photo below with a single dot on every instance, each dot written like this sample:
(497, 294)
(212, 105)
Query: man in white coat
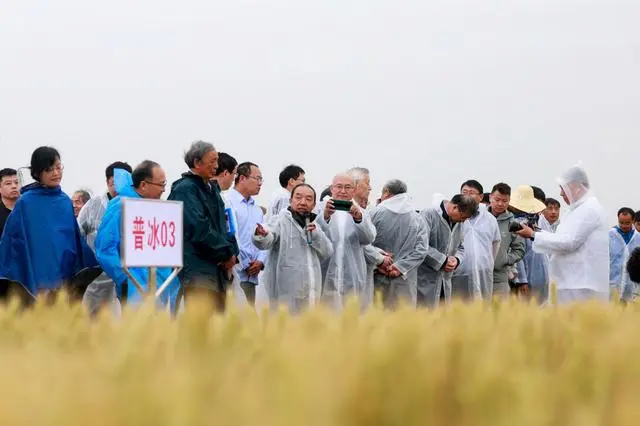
(579, 248)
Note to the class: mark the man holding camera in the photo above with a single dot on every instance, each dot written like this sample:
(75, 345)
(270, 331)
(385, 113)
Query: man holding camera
(579, 249)
(350, 229)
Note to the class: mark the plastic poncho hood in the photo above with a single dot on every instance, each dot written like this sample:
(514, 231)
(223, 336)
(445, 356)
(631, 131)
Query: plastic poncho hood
(575, 185)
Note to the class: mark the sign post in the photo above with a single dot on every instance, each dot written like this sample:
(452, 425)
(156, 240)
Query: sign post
(151, 237)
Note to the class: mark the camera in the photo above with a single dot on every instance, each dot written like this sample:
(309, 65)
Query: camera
(531, 220)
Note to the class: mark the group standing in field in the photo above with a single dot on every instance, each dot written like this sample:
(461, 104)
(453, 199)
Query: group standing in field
(307, 249)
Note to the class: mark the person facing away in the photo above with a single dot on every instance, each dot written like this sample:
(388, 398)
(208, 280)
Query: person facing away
(345, 273)
(550, 216)
(248, 214)
(289, 177)
(445, 231)
(623, 239)
(210, 251)
(148, 181)
(579, 248)
(296, 247)
(9, 194)
(41, 246)
(532, 272)
(401, 232)
(474, 277)
(633, 269)
(511, 249)
(79, 199)
(102, 291)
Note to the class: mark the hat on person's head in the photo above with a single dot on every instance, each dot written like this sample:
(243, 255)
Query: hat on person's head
(523, 199)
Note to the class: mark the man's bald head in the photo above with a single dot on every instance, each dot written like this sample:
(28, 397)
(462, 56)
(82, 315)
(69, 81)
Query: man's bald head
(343, 186)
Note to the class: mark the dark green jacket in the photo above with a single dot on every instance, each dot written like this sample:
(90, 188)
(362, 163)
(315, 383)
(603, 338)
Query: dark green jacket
(206, 241)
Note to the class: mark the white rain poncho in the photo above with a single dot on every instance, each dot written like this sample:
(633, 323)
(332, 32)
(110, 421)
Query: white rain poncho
(402, 232)
(280, 200)
(474, 277)
(293, 276)
(374, 257)
(579, 248)
(443, 242)
(619, 253)
(102, 290)
(345, 273)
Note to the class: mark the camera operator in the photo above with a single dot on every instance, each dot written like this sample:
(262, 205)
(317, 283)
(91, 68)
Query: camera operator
(579, 249)
(532, 272)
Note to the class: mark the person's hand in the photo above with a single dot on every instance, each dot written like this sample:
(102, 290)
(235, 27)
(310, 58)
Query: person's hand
(525, 232)
(387, 261)
(525, 289)
(254, 268)
(329, 209)
(261, 231)
(394, 272)
(355, 213)
(229, 264)
(382, 270)
(451, 265)
(311, 227)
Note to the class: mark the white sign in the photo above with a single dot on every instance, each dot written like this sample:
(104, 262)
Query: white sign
(151, 233)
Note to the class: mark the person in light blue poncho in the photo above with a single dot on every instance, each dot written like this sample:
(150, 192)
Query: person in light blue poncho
(41, 247)
(623, 239)
(148, 181)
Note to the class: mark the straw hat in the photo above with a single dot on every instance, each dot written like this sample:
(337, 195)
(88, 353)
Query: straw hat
(523, 200)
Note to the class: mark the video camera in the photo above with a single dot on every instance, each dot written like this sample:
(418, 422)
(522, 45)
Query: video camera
(529, 219)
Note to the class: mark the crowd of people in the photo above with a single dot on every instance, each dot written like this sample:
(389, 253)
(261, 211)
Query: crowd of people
(307, 249)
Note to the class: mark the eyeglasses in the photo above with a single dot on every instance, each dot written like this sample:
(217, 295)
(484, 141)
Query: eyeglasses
(161, 185)
(343, 187)
(56, 168)
(257, 178)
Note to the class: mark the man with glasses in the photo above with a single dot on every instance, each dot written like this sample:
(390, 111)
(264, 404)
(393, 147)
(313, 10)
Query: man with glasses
(248, 214)
(209, 250)
(474, 278)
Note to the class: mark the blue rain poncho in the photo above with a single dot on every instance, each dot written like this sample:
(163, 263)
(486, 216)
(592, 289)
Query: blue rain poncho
(41, 246)
(619, 253)
(108, 249)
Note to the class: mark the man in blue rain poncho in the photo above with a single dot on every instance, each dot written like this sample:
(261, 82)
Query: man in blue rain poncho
(41, 247)
(579, 249)
(623, 239)
(445, 230)
(148, 181)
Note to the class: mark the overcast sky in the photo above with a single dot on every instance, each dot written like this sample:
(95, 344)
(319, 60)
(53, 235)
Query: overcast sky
(432, 92)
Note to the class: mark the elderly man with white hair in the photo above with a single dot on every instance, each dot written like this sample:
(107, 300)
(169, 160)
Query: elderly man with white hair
(402, 232)
(350, 229)
(579, 248)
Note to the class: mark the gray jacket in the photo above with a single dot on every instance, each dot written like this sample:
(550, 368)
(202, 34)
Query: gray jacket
(444, 241)
(512, 249)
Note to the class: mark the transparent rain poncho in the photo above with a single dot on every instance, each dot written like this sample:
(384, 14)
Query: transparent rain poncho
(474, 277)
(619, 252)
(345, 273)
(293, 275)
(402, 232)
(443, 242)
(579, 249)
(102, 290)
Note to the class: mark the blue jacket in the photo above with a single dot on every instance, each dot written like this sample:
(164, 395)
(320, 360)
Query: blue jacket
(41, 246)
(108, 243)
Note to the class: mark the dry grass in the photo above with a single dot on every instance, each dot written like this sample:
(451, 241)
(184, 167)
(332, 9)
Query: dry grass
(507, 364)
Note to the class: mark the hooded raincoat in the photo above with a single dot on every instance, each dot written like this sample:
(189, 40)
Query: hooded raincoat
(403, 233)
(579, 249)
(41, 246)
(619, 252)
(474, 277)
(108, 242)
(444, 241)
(293, 275)
(345, 272)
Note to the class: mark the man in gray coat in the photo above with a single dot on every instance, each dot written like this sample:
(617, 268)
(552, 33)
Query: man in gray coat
(446, 250)
(512, 247)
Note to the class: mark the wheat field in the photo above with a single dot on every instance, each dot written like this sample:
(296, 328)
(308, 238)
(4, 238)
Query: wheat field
(504, 364)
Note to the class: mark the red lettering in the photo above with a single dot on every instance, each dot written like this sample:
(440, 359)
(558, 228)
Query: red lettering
(172, 232)
(163, 233)
(153, 241)
(138, 233)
